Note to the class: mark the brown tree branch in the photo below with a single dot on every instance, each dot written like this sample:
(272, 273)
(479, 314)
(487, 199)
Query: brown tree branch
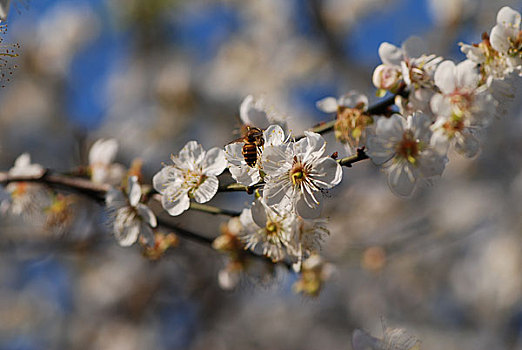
(97, 192)
(380, 107)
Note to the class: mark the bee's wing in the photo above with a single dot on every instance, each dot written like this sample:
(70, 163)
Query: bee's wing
(363, 341)
(241, 139)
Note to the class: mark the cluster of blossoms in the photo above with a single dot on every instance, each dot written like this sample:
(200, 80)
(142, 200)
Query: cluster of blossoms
(440, 106)
(282, 222)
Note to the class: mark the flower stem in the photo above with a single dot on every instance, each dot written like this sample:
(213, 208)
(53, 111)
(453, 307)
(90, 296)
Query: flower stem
(213, 210)
(379, 107)
(348, 161)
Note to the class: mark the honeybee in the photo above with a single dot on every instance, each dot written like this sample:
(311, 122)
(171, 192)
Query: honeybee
(253, 139)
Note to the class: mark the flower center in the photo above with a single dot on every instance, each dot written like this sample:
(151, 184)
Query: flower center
(350, 125)
(461, 101)
(20, 189)
(454, 125)
(408, 147)
(271, 228)
(298, 172)
(516, 45)
(193, 180)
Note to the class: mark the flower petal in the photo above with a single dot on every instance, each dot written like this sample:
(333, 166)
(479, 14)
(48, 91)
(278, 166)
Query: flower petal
(312, 145)
(251, 114)
(499, 38)
(274, 135)
(103, 151)
(414, 46)
(420, 124)
(147, 215)
(390, 54)
(327, 173)
(246, 218)
(276, 159)
(402, 178)
(134, 192)
(305, 210)
(508, 17)
(206, 190)
(276, 190)
(440, 142)
(165, 177)
(467, 145)
(467, 75)
(214, 162)
(147, 234)
(191, 154)
(445, 77)
(391, 128)
(175, 200)
(128, 234)
(115, 198)
(440, 105)
(327, 105)
(353, 99)
(245, 175)
(258, 211)
(432, 163)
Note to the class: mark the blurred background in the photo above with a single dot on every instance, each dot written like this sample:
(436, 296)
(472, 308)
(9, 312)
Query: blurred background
(446, 265)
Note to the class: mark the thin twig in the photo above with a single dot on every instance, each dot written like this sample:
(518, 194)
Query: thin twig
(348, 161)
(97, 192)
(380, 107)
(213, 210)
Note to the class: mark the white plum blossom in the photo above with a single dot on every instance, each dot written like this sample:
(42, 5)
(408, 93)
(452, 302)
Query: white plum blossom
(462, 107)
(243, 173)
(352, 121)
(307, 239)
(352, 99)
(409, 67)
(193, 175)
(506, 36)
(491, 62)
(402, 146)
(254, 112)
(101, 158)
(131, 218)
(24, 167)
(297, 171)
(270, 230)
(496, 73)
(314, 272)
(499, 57)
(26, 197)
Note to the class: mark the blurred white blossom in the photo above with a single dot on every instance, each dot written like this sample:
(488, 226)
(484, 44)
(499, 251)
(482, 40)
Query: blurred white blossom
(101, 158)
(254, 112)
(351, 126)
(407, 66)
(506, 36)
(270, 230)
(402, 146)
(462, 107)
(131, 218)
(26, 197)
